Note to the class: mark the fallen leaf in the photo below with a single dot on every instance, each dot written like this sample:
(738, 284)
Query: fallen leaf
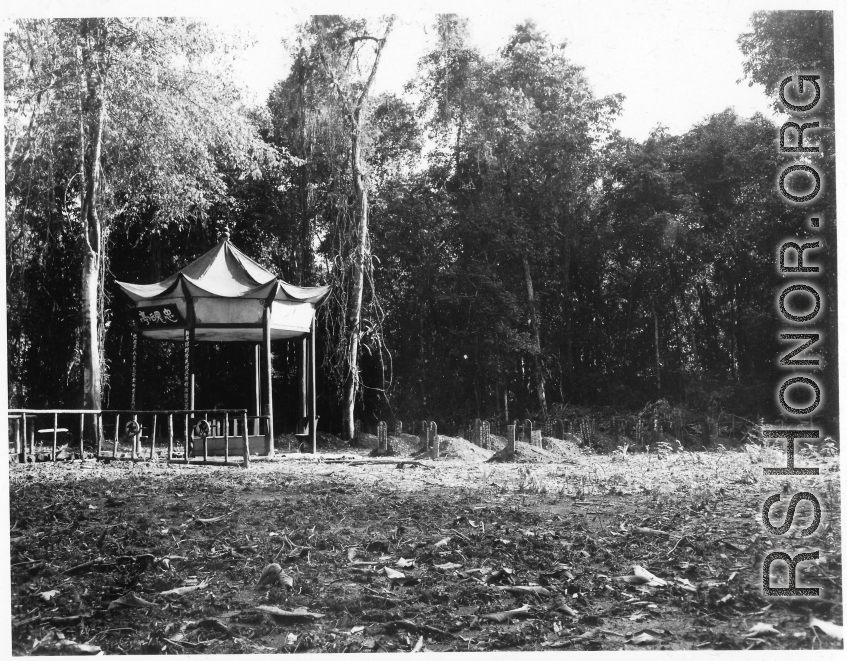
(563, 607)
(524, 589)
(352, 552)
(505, 616)
(214, 519)
(357, 629)
(178, 592)
(273, 574)
(403, 562)
(651, 531)
(643, 639)
(130, 600)
(55, 644)
(393, 573)
(641, 576)
(48, 596)
(762, 629)
(296, 614)
(830, 629)
(448, 565)
(442, 542)
(214, 624)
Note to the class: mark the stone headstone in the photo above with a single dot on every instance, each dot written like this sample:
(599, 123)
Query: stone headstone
(398, 427)
(548, 427)
(485, 435)
(559, 429)
(510, 438)
(423, 435)
(432, 439)
(584, 431)
(477, 432)
(382, 438)
(527, 431)
(535, 437)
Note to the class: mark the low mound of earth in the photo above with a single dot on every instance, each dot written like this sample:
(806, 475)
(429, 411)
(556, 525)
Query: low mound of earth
(526, 454)
(563, 450)
(451, 448)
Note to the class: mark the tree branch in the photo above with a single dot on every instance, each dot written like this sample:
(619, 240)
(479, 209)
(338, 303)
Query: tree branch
(380, 46)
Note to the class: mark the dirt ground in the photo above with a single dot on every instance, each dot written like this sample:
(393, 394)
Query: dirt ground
(558, 549)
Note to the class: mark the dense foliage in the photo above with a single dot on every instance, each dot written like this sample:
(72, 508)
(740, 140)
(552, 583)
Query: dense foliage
(518, 255)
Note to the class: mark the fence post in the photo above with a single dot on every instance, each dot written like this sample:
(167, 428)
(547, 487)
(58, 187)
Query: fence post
(226, 436)
(246, 440)
(185, 441)
(81, 437)
(22, 458)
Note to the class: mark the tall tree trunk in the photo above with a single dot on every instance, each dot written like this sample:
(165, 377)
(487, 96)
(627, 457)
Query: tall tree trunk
(355, 108)
(354, 314)
(658, 355)
(93, 34)
(567, 306)
(536, 338)
(305, 224)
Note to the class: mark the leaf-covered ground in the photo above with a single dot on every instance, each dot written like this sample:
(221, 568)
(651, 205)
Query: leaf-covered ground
(592, 552)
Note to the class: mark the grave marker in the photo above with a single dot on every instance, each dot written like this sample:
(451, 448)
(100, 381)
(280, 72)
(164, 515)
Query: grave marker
(485, 434)
(423, 436)
(398, 427)
(382, 438)
(535, 437)
(526, 437)
(432, 440)
(510, 438)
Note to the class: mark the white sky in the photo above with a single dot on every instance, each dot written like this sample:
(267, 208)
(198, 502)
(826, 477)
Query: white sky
(675, 61)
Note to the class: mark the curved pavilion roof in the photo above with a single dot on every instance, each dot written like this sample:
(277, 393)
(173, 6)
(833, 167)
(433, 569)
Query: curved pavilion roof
(222, 294)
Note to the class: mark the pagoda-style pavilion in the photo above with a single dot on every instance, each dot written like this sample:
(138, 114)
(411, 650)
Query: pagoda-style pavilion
(224, 296)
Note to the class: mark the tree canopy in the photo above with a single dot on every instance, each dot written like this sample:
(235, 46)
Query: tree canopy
(496, 248)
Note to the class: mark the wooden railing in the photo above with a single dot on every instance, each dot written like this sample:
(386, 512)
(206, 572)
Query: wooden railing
(139, 426)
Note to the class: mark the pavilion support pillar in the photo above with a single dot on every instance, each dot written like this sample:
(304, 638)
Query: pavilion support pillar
(303, 399)
(256, 403)
(189, 368)
(313, 419)
(269, 403)
(190, 350)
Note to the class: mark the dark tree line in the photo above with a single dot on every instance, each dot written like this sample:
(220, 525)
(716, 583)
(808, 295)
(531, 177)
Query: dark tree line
(495, 247)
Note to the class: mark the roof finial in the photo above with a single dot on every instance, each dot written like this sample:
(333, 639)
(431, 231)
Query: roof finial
(224, 235)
